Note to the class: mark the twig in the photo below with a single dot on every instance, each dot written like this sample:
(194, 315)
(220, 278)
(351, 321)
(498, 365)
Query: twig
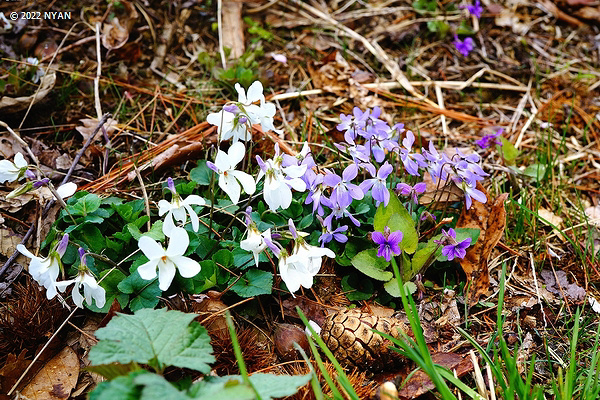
(98, 74)
(537, 290)
(220, 28)
(146, 202)
(22, 142)
(453, 85)
(440, 99)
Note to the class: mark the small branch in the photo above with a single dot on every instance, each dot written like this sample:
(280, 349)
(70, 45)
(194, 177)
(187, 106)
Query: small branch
(145, 194)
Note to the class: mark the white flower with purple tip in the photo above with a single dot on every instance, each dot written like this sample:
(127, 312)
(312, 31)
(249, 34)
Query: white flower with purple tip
(45, 271)
(178, 209)
(91, 289)
(167, 261)
(12, 171)
(255, 240)
(280, 180)
(230, 178)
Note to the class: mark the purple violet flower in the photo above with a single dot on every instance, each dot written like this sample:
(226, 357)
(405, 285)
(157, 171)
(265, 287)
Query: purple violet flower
(452, 248)
(171, 185)
(328, 235)
(389, 243)
(411, 191)
(40, 183)
(29, 174)
(464, 46)
(380, 191)
(491, 139)
(474, 9)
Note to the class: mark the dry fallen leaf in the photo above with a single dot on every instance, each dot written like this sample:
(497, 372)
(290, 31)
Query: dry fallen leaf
(552, 219)
(490, 219)
(8, 243)
(440, 192)
(571, 290)
(419, 383)
(593, 213)
(591, 13)
(9, 105)
(89, 124)
(56, 379)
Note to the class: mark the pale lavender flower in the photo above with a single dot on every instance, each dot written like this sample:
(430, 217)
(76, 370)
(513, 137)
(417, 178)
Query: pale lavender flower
(464, 46)
(411, 161)
(380, 191)
(338, 212)
(411, 191)
(344, 191)
(389, 243)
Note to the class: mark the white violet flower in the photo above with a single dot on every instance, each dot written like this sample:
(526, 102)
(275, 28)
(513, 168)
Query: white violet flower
(279, 180)
(299, 268)
(45, 270)
(255, 241)
(235, 119)
(91, 289)
(167, 261)
(229, 177)
(12, 171)
(178, 209)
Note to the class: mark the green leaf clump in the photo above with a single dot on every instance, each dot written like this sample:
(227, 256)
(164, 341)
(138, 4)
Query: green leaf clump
(158, 338)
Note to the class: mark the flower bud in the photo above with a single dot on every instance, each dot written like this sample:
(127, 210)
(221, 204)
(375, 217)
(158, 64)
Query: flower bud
(62, 245)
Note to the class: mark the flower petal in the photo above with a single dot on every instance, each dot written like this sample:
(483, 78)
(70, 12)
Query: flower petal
(246, 180)
(148, 270)
(66, 190)
(230, 186)
(151, 248)
(166, 273)
(187, 267)
(178, 243)
(236, 153)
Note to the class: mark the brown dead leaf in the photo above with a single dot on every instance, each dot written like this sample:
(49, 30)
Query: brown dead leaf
(9, 146)
(490, 219)
(114, 35)
(56, 379)
(591, 13)
(8, 243)
(89, 124)
(233, 28)
(12, 370)
(593, 213)
(9, 105)
(440, 192)
(419, 383)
